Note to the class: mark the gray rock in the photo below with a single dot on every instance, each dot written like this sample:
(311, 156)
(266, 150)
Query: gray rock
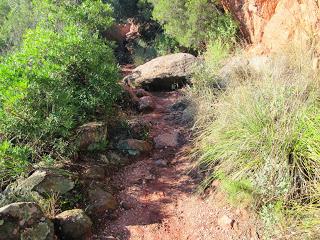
(188, 115)
(225, 222)
(161, 163)
(100, 201)
(47, 181)
(146, 104)
(73, 225)
(90, 134)
(94, 172)
(180, 105)
(141, 93)
(163, 72)
(24, 220)
(134, 147)
(167, 140)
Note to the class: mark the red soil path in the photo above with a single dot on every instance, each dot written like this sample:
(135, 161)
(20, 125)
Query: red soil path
(159, 202)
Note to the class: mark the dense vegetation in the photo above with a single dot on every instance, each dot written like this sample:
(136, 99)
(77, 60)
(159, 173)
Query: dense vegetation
(56, 73)
(259, 135)
(194, 23)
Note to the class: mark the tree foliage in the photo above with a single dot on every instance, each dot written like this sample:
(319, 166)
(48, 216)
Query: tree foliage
(193, 22)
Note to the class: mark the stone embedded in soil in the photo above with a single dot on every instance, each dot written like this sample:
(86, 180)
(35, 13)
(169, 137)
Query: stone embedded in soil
(90, 134)
(187, 115)
(146, 104)
(24, 220)
(161, 163)
(179, 106)
(225, 222)
(100, 201)
(73, 225)
(141, 93)
(167, 140)
(125, 205)
(134, 147)
(94, 172)
(48, 181)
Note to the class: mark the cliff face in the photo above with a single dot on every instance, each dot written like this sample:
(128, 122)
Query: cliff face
(271, 24)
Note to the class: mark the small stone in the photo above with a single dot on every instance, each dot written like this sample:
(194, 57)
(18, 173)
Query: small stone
(167, 140)
(94, 173)
(125, 205)
(179, 106)
(134, 147)
(100, 201)
(74, 225)
(146, 104)
(187, 115)
(90, 134)
(141, 93)
(225, 221)
(103, 158)
(161, 163)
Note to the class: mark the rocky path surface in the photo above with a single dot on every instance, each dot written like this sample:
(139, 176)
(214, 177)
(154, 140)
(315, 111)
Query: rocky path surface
(156, 192)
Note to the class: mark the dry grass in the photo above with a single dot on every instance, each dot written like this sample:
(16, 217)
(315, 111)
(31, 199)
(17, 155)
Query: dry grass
(261, 136)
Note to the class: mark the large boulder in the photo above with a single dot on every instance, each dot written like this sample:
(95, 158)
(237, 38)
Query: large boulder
(73, 225)
(47, 181)
(163, 73)
(24, 220)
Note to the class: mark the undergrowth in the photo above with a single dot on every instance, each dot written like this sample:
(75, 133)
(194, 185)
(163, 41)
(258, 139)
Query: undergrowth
(260, 137)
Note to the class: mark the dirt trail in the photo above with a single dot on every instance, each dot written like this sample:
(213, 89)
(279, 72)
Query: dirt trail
(158, 200)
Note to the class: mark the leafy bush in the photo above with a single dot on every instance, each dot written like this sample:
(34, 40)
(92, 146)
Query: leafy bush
(62, 75)
(264, 131)
(14, 161)
(193, 23)
(124, 9)
(165, 45)
(17, 16)
(55, 82)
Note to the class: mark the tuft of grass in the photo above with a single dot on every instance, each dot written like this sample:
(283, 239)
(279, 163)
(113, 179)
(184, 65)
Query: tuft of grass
(263, 136)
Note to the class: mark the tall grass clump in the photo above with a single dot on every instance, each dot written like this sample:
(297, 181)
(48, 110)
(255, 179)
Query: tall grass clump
(263, 139)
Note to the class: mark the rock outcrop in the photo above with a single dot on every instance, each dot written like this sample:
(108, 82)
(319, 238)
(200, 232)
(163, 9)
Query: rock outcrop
(163, 73)
(271, 24)
(24, 220)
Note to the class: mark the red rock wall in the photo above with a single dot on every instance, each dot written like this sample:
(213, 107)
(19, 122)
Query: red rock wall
(271, 24)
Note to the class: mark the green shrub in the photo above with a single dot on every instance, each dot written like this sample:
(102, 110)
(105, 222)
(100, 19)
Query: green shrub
(165, 45)
(14, 161)
(17, 16)
(194, 22)
(54, 83)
